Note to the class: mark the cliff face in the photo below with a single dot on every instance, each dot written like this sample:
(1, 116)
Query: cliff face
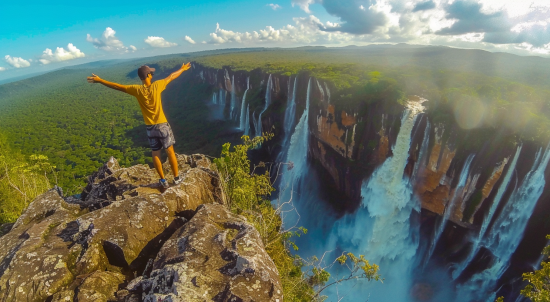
(454, 172)
(126, 239)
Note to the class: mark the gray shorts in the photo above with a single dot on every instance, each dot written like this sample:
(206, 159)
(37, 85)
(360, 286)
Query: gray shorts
(160, 136)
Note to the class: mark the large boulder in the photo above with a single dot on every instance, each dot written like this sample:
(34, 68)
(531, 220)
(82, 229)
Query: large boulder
(216, 256)
(87, 247)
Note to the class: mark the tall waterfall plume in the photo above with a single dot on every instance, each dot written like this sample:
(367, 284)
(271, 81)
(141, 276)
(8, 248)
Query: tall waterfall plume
(501, 190)
(290, 115)
(451, 205)
(258, 126)
(244, 117)
(233, 103)
(382, 229)
(507, 231)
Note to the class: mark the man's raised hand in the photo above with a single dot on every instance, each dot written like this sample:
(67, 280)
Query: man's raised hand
(184, 67)
(93, 79)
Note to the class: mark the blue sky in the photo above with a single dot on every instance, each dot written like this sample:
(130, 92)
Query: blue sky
(38, 35)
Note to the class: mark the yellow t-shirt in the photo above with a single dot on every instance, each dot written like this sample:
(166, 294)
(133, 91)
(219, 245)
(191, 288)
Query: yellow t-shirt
(150, 101)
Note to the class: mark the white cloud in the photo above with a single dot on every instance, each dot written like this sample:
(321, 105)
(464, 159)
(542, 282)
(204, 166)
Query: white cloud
(2, 68)
(188, 39)
(132, 47)
(274, 6)
(303, 4)
(17, 62)
(159, 42)
(61, 54)
(305, 30)
(108, 41)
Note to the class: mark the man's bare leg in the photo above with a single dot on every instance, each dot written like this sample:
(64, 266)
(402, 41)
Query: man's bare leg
(157, 163)
(173, 160)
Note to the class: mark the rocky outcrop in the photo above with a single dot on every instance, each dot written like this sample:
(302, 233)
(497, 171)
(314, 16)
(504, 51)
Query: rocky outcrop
(91, 247)
(216, 256)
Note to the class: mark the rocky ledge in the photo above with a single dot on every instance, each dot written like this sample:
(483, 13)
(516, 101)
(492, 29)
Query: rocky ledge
(127, 239)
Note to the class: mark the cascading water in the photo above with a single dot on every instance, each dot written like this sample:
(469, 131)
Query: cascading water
(328, 92)
(450, 207)
(244, 118)
(214, 98)
(321, 90)
(507, 231)
(233, 99)
(255, 123)
(388, 202)
(221, 99)
(297, 155)
(268, 89)
(423, 151)
(290, 116)
(501, 190)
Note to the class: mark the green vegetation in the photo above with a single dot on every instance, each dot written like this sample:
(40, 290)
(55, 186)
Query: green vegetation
(247, 194)
(469, 93)
(538, 289)
(21, 180)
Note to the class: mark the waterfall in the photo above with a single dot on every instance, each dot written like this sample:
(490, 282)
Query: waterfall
(388, 196)
(254, 122)
(423, 151)
(258, 127)
(382, 229)
(328, 92)
(243, 118)
(501, 190)
(214, 98)
(450, 207)
(247, 121)
(233, 98)
(290, 116)
(297, 154)
(321, 90)
(221, 99)
(508, 229)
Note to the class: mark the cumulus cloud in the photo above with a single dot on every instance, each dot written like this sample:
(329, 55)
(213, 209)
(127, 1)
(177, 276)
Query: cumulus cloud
(188, 39)
(470, 19)
(303, 4)
(108, 41)
(274, 6)
(159, 42)
(132, 48)
(305, 30)
(2, 68)
(61, 54)
(17, 62)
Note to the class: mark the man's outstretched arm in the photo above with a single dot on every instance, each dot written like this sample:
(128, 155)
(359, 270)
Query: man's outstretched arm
(95, 79)
(177, 73)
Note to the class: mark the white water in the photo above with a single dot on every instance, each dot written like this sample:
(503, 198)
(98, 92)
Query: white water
(297, 156)
(244, 117)
(501, 190)
(423, 151)
(328, 92)
(214, 98)
(507, 231)
(321, 90)
(233, 103)
(450, 207)
(268, 89)
(221, 99)
(255, 123)
(290, 116)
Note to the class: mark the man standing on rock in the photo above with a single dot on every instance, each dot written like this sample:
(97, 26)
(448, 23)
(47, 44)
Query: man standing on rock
(159, 132)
